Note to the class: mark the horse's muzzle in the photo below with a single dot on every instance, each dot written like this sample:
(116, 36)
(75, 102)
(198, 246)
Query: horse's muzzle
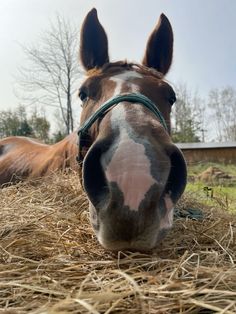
(131, 205)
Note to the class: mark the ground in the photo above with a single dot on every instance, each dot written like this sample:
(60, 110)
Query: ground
(51, 262)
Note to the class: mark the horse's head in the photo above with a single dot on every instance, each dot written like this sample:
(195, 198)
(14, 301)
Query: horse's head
(131, 171)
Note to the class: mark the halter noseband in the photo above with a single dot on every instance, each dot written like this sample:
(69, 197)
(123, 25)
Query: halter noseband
(100, 113)
(133, 98)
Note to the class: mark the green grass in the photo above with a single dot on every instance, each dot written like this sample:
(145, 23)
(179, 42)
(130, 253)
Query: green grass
(224, 195)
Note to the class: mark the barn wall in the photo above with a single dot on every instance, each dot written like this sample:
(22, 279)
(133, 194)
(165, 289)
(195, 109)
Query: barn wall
(221, 155)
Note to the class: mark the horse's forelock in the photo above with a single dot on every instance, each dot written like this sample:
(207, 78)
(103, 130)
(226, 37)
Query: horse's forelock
(120, 66)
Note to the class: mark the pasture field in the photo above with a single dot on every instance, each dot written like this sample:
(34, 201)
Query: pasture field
(51, 262)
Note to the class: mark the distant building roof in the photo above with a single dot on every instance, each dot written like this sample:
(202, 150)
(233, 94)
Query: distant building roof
(206, 145)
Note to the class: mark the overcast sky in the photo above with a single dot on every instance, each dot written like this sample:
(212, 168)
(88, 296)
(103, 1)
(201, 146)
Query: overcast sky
(204, 30)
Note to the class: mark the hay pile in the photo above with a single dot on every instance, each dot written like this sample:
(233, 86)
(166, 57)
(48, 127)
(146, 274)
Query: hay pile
(51, 261)
(215, 175)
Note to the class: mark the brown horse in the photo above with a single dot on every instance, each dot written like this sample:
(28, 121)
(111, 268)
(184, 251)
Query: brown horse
(22, 158)
(131, 171)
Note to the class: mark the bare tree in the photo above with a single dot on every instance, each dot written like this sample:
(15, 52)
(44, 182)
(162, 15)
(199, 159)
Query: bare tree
(222, 103)
(52, 70)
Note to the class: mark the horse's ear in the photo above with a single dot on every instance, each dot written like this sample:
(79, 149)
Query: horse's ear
(93, 42)
(159, 49)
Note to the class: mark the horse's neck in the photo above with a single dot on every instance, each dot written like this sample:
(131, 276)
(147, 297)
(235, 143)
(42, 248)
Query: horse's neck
(67, 148)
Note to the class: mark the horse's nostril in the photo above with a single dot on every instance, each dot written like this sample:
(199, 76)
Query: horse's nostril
(94, 180)
(178, 175)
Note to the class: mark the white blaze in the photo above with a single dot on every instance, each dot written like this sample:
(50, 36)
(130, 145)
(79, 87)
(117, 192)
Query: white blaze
(129, 167)
(124, 78)
(131, 170)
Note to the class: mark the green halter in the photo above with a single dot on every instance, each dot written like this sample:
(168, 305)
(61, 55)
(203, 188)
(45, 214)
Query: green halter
(133, 98)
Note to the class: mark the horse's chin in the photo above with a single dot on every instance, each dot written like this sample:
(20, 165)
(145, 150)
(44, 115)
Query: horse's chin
(135, 245)
(115, 238)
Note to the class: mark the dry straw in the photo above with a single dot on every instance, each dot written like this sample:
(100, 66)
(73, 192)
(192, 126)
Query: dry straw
(51, 261)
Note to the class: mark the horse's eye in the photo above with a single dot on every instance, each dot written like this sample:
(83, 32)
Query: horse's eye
(172, 100)
(83, 96)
